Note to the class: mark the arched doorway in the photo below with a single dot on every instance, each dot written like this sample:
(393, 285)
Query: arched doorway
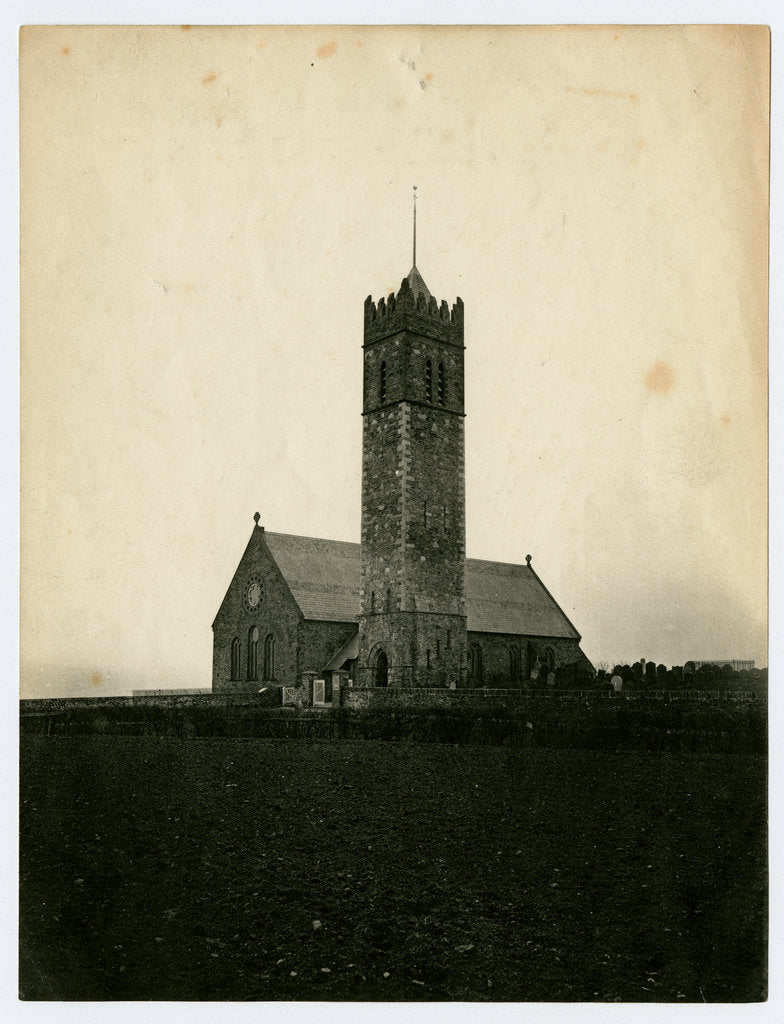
(381, 675)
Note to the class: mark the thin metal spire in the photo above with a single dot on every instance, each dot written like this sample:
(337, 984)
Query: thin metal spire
(415, 192)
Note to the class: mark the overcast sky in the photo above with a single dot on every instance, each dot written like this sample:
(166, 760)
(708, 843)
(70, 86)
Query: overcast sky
(203, 214)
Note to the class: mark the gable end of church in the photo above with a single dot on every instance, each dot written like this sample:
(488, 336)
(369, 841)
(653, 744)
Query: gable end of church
(256, 629)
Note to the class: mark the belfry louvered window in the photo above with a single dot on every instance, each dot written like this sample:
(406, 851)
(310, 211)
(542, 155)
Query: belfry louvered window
(428, 381)
(383, 383)
(441, 385)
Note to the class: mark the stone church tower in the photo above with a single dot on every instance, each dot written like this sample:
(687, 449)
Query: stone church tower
(405, 607)
(412, 622)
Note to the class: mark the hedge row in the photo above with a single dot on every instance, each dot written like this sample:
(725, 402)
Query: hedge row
(603, 726)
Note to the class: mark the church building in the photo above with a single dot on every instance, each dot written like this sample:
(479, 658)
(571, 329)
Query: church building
(405, 607)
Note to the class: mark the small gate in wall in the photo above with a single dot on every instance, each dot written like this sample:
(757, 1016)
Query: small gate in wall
(325, 692)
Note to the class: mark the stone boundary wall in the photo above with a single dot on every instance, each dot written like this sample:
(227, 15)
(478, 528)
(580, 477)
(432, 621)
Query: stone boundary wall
(53, 705)
(375, 697)
(391, 696)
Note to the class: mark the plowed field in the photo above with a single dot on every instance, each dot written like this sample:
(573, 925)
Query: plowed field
(240, 869)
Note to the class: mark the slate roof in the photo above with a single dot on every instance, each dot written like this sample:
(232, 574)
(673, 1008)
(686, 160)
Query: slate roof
(507, 598)
(324, 575)
(418, 286)
(349, 651)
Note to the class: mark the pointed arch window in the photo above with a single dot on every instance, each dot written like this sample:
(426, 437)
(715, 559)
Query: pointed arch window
(382, 390)
(441, 384)
(475, 654)
(428, 381)
(269, 657)
(514, 663)
(253, 654)
(235, 658)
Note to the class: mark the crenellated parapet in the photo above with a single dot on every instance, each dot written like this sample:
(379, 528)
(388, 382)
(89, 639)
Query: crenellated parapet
(417, 313)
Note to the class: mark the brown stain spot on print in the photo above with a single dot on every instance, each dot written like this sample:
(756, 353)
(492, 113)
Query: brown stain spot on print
(327, 49)
(660, 378)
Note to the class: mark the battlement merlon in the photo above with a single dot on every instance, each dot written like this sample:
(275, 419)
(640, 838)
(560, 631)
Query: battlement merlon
(404, 311)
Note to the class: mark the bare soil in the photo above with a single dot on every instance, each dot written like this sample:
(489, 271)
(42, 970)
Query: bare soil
(196, 869)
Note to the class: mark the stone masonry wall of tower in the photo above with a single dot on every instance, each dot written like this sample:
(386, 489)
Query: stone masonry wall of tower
(412, 600)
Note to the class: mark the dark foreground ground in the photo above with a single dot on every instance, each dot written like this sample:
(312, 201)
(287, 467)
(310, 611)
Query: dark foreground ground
(195, 870)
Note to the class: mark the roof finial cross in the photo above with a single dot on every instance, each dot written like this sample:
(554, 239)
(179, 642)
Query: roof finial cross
(415, 192)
